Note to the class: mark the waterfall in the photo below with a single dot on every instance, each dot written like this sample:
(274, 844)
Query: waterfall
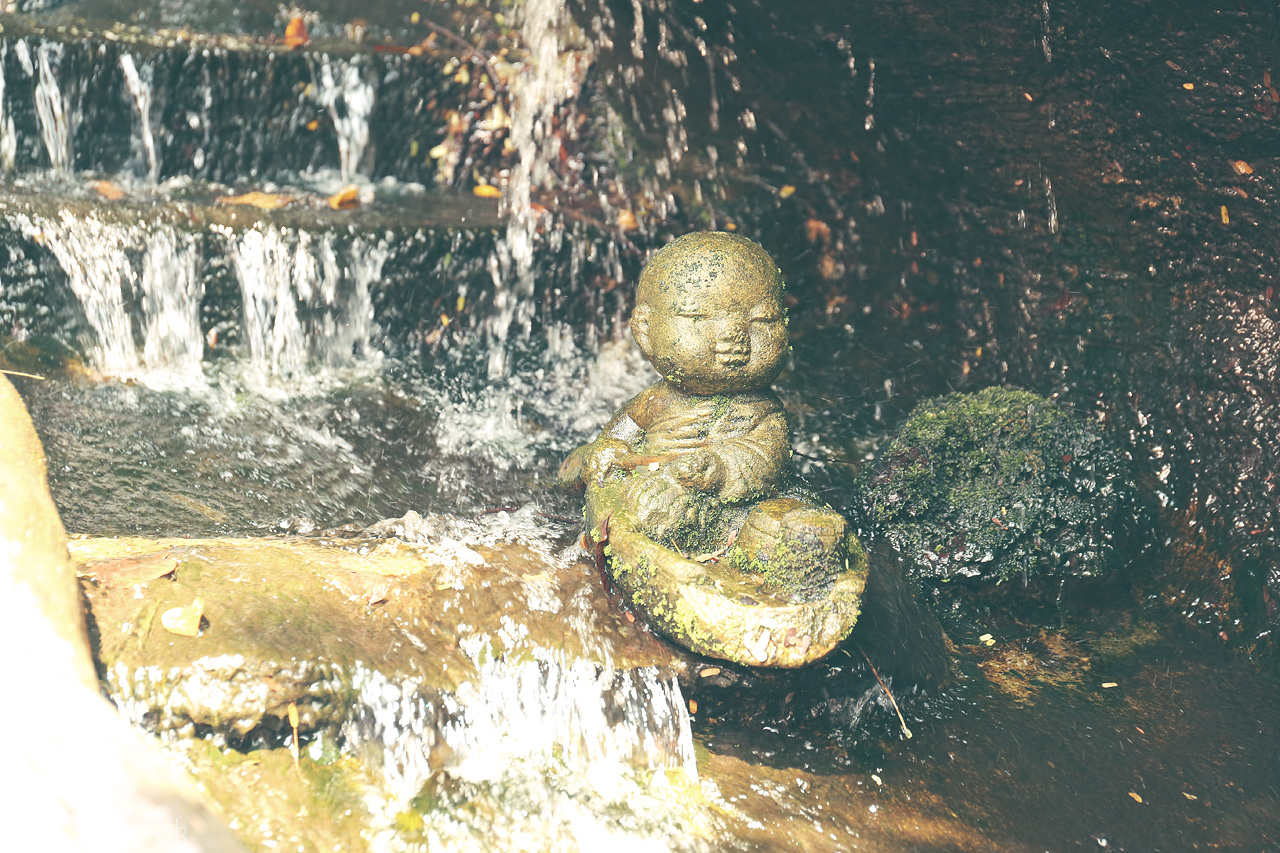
(52, 108)
(173, 347)
(296, 307)
(94, 256)
(109, 267)
(545, 81)
(8, 136)
(139, 85)
(349, 98)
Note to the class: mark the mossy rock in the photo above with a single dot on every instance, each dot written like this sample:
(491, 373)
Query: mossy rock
(716, 609)
(995, 485)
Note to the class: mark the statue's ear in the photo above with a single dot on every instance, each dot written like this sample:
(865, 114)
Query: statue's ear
(640, 326)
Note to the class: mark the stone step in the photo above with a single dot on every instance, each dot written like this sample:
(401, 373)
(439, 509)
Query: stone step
(162, 283)
(94, 94)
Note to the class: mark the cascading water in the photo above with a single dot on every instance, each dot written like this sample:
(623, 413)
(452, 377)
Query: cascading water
(348, 97)
(282, 277)
(52, 106)
(547, 79)
(139, 85)
(8, 136)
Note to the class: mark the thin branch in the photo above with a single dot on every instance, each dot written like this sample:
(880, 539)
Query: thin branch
(906, 731)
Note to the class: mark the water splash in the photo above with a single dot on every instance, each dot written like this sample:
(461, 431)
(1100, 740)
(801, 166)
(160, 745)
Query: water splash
(349, 98)
(139, 85)
(52, 107)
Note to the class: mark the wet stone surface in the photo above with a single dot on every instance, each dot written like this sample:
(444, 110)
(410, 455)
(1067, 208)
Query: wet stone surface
(309, 625)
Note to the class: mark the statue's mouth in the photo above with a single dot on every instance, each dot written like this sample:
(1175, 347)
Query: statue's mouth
(733, 357)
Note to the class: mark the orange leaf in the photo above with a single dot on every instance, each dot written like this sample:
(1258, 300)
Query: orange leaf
(261, 200)
(345, 198)
(627, 220)
(108, 190)
(487, 191)
(113, 574)
(295, 35)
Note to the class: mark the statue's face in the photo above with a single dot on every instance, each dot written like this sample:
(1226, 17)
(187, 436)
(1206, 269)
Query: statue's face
(714, 336)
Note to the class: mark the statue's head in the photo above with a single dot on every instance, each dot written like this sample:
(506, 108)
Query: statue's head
(709, 314)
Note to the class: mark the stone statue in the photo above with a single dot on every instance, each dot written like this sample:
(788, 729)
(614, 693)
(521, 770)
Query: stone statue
(699, 462)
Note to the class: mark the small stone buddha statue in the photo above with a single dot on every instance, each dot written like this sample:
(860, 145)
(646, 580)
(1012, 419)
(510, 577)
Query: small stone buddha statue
(705, 452)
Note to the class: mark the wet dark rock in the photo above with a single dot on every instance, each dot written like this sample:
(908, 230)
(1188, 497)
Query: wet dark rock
(996, 485)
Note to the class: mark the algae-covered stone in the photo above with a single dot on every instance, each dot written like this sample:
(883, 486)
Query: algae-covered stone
(997, 484)
(302, 624)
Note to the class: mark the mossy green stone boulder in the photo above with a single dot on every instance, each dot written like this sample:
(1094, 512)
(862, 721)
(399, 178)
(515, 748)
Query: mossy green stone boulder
(994, 485)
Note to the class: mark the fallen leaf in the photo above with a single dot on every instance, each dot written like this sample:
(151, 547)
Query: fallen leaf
(346, 198)
(260, 200)
(818, 231)
(295, 34)
(709, 671)
(1188, 86)
(1240, 167)
(627, 220)
(108, 190)
(183, 621)
(114, 574)
(693, 706)
(438, 151)
(787, 191)
(1107, 684)
(1136, 797)
(486, 191)
(1226, 217)
(313, 124)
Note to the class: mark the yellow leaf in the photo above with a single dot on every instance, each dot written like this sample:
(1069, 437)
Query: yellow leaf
(1136, 798)
(1226, 219)
(487, 191)
(260, 200)
(1188, 86)
(1240, 167)
(438, 152)
(787, 191)
(183, 621)
(313, 124)
(345, 198)
(293, 714)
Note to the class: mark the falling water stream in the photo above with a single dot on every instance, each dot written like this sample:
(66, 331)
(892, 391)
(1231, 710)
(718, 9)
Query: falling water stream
(931, 187)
